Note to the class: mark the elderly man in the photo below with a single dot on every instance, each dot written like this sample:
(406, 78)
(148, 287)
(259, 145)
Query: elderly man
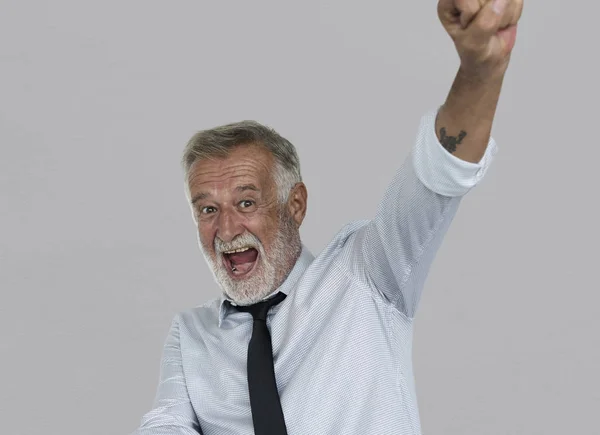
(299, 344)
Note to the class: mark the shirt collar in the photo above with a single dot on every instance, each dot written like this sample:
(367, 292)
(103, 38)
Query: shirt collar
(304, 260)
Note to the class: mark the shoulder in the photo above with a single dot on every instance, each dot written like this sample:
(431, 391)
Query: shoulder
(349, 231)
(342, 242)
(199, 317)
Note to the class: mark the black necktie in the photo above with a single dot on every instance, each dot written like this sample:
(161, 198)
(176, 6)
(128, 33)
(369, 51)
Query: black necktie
(267, 414)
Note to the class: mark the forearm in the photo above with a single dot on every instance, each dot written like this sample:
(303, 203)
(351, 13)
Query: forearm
(464, 123)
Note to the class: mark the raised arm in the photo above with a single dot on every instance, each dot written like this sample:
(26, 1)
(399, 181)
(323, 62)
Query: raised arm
(484, 37)
(394, 252)
(172, 413)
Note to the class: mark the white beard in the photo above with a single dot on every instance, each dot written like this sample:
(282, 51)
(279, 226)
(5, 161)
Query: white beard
(270, 270)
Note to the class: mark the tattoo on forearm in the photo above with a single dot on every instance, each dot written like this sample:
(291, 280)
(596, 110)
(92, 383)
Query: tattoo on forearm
(450, 142)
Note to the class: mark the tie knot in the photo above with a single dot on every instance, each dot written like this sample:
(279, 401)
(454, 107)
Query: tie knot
(260, 309)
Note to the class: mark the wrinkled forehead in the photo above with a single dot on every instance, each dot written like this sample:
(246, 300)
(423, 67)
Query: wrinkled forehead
(244, 165)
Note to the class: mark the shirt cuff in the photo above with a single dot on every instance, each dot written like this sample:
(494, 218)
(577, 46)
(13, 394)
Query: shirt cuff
(442, 172)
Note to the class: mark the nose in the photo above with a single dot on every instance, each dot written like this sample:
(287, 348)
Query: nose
(228, 225)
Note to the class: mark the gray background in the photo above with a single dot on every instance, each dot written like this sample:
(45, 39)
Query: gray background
(97, 246)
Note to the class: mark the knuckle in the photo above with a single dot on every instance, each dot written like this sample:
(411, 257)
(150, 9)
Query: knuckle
(468, 5)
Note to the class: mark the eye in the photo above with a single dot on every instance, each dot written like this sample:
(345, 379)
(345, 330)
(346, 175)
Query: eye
(246, 203)
(208, 209)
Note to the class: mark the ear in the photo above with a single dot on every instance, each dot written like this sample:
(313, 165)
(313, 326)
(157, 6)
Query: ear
(297, 202)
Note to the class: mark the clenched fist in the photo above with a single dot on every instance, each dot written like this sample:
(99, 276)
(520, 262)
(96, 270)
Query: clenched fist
(484, 33)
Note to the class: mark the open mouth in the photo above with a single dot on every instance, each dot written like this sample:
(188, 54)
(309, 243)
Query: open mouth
(240, 262)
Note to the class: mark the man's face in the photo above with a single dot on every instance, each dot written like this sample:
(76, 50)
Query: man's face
(249, 239)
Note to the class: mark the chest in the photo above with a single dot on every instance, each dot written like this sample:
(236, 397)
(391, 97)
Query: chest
(333, 353)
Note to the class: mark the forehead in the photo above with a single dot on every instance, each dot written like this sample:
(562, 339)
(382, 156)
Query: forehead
(245, 164)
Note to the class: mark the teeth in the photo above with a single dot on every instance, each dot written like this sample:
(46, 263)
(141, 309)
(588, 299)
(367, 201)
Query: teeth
(236, 250)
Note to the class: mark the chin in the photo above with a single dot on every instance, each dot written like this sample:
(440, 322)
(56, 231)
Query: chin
(245, 298)
(251, 288)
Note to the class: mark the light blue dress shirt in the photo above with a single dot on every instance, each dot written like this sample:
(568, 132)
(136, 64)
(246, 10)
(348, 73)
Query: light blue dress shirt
(342, 338)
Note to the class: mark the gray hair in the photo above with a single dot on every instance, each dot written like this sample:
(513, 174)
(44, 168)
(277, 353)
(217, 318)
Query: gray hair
(218, 142)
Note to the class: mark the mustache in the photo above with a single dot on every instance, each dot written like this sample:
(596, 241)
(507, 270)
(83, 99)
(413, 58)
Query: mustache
(241, 241)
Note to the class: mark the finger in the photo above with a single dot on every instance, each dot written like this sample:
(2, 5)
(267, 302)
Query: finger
(487, 21)
(512, 14)
(468, 9)
(458, 11)
(517, 12)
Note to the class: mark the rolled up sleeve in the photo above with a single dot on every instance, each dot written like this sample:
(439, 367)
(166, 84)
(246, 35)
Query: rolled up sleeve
(394, 251)
(441, 171)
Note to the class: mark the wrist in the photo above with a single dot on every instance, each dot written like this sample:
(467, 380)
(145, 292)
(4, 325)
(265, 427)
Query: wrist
(481, 74)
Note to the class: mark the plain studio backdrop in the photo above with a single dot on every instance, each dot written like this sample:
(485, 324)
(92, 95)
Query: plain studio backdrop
(98, 249)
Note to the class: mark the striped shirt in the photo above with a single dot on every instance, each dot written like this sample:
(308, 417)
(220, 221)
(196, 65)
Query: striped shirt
(342, 338)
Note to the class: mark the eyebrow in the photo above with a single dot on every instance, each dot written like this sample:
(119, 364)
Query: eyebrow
(242, 188)
(199, 197)
(246, 187)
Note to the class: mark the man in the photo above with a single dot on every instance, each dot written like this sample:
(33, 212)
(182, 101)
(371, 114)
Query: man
(322, 345)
